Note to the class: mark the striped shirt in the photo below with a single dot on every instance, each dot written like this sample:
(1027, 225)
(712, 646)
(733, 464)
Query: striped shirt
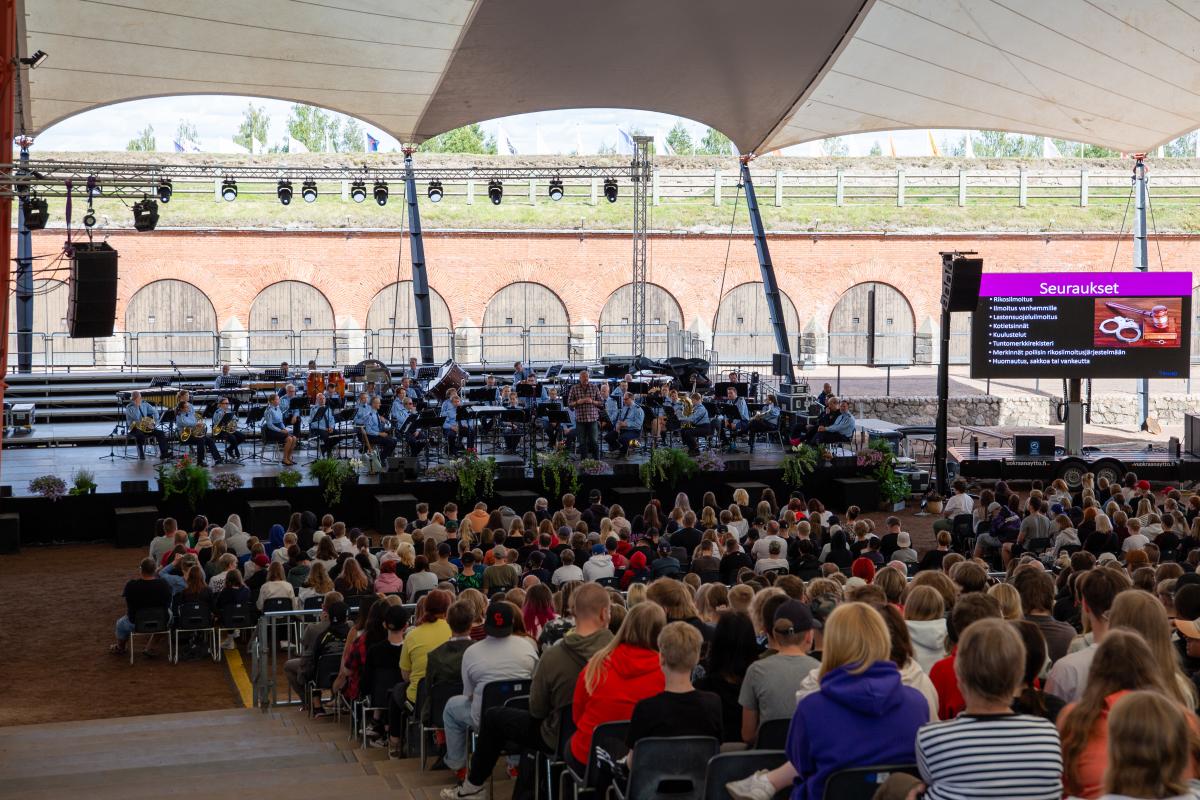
(1012, 756)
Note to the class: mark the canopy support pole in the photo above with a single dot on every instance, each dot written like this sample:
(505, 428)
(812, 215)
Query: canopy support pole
(420, 279)
(770, 285)
(1141, 263)
(8, 85)
(24, 296)
(641, 221)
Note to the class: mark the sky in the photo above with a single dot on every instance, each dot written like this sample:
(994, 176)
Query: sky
(585, 131)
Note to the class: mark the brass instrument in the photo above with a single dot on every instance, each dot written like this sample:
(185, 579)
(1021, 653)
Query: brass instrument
(230, 425)
(145, 424)
(688, 407)
(197, 431)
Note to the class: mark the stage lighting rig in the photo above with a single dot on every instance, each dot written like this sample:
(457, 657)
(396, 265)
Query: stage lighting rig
(145, 215)
(309, 191)
(36, 211)
(93, 186)
(435, 191)
(165, 190)
(610, 190)
(496, 191)
(229, 190)
(381, 192)
(358, 191)
(89, 218)
(283, 190)
(556, 189)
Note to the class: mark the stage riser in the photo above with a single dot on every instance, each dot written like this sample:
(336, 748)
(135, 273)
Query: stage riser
(92, 518)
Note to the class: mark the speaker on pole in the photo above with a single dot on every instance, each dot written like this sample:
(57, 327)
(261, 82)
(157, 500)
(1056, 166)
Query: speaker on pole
(92, 300)
(960, 282)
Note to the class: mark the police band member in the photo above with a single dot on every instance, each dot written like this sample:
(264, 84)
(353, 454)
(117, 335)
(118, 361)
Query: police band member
(736, 423)
(511, 430)
(626, 425)
(274, 431)
(321, 424)
(375, 426)
(410, 371)
(137, 410)
(403, 409)
(364, 401)
(453, 428)
(224, 379)
(766, 420)
(695, 426)
(290, 406)
(225, 428)
(187, 417)
(553, 429)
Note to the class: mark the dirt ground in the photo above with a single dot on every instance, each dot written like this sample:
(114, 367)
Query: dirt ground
(59, 606)
(55, 650)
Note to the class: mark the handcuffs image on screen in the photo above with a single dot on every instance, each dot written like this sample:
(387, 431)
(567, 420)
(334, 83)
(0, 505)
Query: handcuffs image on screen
(1144, 321)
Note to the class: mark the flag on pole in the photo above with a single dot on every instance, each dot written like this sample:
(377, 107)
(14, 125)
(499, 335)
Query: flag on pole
(661, 143)
(178, 147)
(970, 149)
(372, 144)
(933, 148)
(503, 143)
(626, 141)
(1049, 149)
(891, 145)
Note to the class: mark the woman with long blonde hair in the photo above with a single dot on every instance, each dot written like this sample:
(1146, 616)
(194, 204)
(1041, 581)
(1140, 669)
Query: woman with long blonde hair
(1151, 748)
(1142, 613)
(620, 674)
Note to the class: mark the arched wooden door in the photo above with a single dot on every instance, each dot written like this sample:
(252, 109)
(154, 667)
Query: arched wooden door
(172, 321)
(743, 326)
(663, 319)
(523, 311)
(393, 319)
(872, 323)
(50, 340)
(291, 321)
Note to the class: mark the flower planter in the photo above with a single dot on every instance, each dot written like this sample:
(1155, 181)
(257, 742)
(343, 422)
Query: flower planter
(934, 506)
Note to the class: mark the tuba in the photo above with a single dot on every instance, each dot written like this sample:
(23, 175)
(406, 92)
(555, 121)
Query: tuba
(688, 407)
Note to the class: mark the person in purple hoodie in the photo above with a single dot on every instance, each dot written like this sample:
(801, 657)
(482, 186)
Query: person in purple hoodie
(862, 715)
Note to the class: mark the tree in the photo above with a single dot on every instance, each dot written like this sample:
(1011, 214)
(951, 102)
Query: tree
(256, 124)
(187, 134)
(353, 138)
(875, 150)
(954, 148)
(680, 141)
(144, 141)
(313, 127)
(467, 139)
(1183, 147)
(714, 143)
(835, 146)
(999, 144)
(1069, 149)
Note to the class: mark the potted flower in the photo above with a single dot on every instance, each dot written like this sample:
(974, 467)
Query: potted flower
(933, 503)
(591, 466)
(48, 486)
(557, 470)
(475, 476)
(184, 478)
(85, 482)
(289, 478)
(332, 474)
(666, 467)
(710, 461)
(228, 482)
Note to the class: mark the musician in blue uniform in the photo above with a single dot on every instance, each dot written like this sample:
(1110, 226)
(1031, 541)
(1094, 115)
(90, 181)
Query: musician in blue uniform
(522, 375)
(321, 425)
(512, 430)
(766, 420)
(568, 430)
(273, 429)
(410, 388)
(736, 423)
(553, 429)
(454, 429)
(411, 370)
(292, 408)
(137, 410)
(225, 420)
(224, 379)
(626, 426)
(402, 410)
(374, 425)
(612, 405)
(186, 418)
(697, 425)
(364, 401)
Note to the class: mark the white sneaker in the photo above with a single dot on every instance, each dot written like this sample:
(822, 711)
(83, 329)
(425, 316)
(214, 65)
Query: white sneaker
(755, 787)
(467, 791)
(228, 643)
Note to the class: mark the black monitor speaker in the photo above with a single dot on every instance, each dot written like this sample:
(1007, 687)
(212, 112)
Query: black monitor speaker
(960, 283)
(92, 300)
(779, 364)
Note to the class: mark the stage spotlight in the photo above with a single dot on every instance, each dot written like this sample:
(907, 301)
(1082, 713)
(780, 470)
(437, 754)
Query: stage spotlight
(36, 60)
(435, 191)
(381, 192)
(93, 186)
(89, 219)
(36, 212)
(496, 191)
(145, 215)
(358, 191)
(283, 191)
(165, 190)
(556, 189)
(229, 190)
(610, 190)
(309, 191)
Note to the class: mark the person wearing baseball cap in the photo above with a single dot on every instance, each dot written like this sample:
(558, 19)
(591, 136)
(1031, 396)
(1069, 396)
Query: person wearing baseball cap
(498, 657)
(769, 689)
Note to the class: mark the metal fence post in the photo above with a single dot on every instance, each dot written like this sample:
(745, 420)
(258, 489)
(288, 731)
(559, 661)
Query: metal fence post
(595, 190)
(1022, 187)
(654, 187)
(1083, 188)
(533, 191)
(716, 187)
(962, 187)
(470, 191)
(840, 188)
(899, 187)
(778, 188)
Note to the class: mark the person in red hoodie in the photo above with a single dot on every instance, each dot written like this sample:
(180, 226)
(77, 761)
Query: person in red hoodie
(969, 608)
(617, 677)
(637, 569)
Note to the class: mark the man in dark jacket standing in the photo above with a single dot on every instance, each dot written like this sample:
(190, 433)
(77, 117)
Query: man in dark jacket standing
(553, 688)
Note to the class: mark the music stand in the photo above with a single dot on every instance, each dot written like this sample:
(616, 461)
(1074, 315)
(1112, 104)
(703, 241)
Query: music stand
(553, 371)
(482, 394)
(426, 420)
(721, 388)
(253, 418)
(528, 391)
(639, 387)
(427, 373)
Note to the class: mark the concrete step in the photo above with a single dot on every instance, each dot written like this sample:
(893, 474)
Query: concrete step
(121, 725)
(217, 787)
(245, 734)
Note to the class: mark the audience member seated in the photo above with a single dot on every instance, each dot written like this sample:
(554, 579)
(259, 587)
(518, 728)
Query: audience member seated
(146, 591)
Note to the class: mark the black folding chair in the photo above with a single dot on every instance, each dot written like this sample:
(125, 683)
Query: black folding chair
(725, 768)
(236, 617)
(328, 667)
(376, 699)
(430, 707)
(962, 532)
(497, 694)
(275, 623)
(150, 622)
(772, 734)
(611, 737)
(609, 583)
(861, 783)
(566, 729)
(194, 617)
(668, 768)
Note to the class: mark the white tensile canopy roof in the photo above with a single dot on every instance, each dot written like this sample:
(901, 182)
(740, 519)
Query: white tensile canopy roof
(767, 73)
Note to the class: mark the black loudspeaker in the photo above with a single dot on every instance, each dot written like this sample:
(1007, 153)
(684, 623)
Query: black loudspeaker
(779, 364)
(960, 283)
(92, 304)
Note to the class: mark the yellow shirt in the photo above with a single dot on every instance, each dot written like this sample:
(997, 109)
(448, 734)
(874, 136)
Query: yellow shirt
(418, 644)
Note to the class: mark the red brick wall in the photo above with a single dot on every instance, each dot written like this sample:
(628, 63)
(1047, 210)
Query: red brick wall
(231, 267)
